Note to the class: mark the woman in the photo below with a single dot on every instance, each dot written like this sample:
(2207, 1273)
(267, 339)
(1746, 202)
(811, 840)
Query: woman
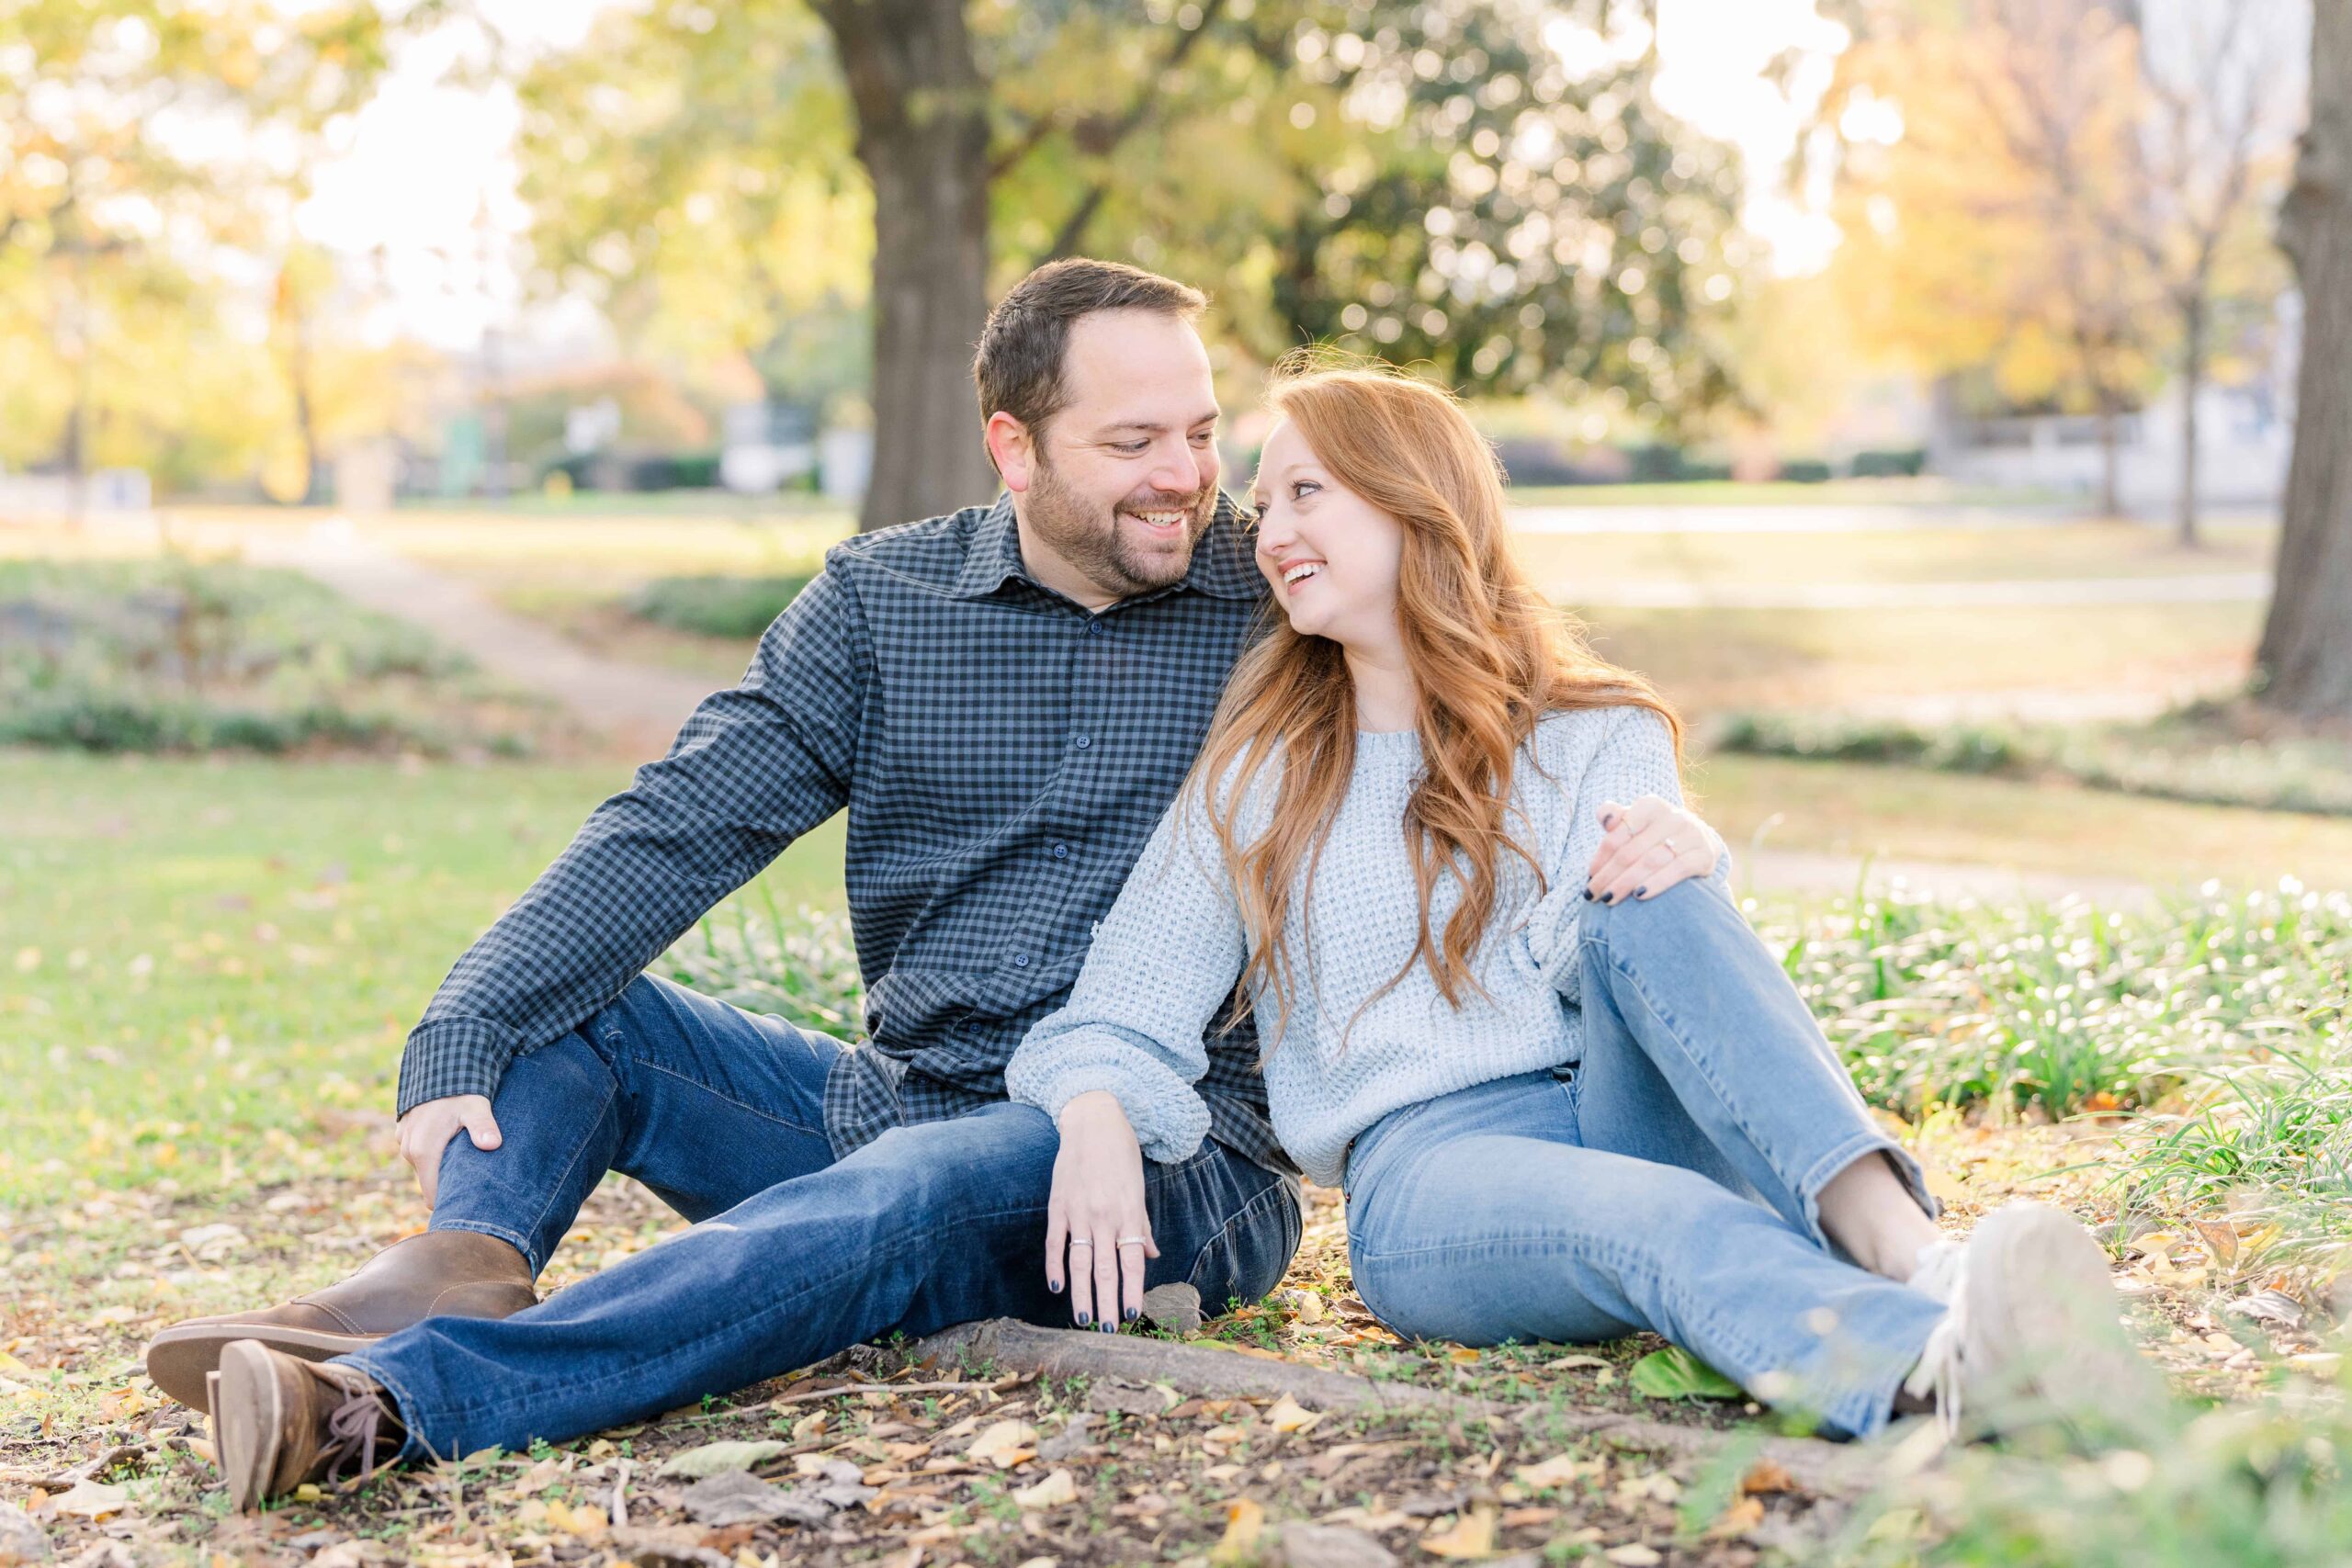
(1568, 1090)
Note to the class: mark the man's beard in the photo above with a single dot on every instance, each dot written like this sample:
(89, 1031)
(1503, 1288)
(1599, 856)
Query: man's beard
(1119, 559)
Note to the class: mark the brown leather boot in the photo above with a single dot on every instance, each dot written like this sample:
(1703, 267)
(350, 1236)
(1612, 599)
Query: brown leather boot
(278, 1422)
(438, 1274)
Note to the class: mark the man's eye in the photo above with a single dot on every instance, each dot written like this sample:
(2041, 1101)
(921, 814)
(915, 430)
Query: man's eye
(1132, 449)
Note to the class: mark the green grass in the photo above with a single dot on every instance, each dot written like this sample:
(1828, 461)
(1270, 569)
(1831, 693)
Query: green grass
(209, 966)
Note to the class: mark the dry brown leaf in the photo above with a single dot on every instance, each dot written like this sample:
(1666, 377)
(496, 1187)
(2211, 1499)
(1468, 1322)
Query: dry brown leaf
(1289, 1415)
(92, 1500)
(1004, 1444)
(1051, 1492)
(1557, 1471)
(1634, 1554)
(1473, 1535)
(1766, 1476)
(1744, 1515)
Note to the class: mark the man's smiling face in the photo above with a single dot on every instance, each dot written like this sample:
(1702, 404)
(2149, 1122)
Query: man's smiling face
(1122, 481)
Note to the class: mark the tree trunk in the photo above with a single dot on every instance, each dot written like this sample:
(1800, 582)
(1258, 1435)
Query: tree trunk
(2110, 459)
(2305, 658)
(922, 135)
(2192, 380)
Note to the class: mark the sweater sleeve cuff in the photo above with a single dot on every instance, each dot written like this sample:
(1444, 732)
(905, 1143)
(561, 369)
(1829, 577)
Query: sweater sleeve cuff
(452, 1056)
(1168, 1114)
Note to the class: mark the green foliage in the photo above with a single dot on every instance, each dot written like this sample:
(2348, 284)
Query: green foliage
(716, 607)
(1676, 1373)
(2255, 1486)
(2192, 755)
(180, 656)
(2058, 1005)
(749, 953)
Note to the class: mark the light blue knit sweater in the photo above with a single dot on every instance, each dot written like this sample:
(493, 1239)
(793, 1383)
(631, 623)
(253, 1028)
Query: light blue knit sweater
(1167, 955)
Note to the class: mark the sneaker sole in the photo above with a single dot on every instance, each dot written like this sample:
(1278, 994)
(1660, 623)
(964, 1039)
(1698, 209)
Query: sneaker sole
(181, 1360)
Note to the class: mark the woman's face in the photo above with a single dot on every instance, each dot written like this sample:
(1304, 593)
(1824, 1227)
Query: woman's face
(1331, 557)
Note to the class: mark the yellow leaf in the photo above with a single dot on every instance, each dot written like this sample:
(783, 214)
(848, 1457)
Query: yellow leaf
(1463, 1356)
(1004, 1444)
(1632, 1554)
(1310, 1307)
(585, 1520)
(1243, 1522)
(1473, 1535)
(307, 1493)
(92, 1500)
(1557, 1471)
(1051, 1492)
(1289, 1415)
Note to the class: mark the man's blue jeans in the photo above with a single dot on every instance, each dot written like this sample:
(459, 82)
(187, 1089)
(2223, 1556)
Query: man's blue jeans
(793, 1255)
(1669, 1181)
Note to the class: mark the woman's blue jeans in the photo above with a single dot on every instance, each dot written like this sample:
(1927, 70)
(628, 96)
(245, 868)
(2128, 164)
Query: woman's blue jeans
(1669, 1181)
(794, 1255)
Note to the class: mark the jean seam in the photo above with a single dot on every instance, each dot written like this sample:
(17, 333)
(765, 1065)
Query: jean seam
(1245, 1213)
(718, 1094)
(569, 1166)
(1725, 1102)
(1612, 1254)
(863, 1264)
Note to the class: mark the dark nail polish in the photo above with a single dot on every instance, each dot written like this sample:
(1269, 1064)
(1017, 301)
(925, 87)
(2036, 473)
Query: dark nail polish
(1588, 895)
(1134, 1313)
(1641, 892)
(1055, 1286)
(1608, 897)
(1086, 1320)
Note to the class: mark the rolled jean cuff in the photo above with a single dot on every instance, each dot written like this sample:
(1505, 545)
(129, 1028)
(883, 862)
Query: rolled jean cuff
(1861, 1145)
(404, 1405)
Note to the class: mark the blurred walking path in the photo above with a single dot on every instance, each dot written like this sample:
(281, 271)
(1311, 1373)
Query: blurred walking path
(2200, 588)
(640, 709)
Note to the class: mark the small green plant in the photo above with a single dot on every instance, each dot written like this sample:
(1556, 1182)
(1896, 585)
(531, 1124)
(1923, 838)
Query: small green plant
(716, 607)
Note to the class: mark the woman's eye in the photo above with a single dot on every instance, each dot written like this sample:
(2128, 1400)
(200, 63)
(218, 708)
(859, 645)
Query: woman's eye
(1297, 485)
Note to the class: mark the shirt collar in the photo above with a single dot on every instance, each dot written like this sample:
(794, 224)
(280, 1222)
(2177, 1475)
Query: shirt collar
(1223, 563)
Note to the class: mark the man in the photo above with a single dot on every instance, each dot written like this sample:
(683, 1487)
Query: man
(1004, 700)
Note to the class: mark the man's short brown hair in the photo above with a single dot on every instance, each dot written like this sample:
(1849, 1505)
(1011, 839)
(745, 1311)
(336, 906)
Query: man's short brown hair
(1018, 369)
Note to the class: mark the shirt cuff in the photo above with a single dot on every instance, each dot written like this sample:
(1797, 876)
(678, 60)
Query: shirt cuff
(452, 1056)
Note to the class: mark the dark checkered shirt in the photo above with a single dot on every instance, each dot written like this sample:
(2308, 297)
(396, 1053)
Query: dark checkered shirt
(1002, 755)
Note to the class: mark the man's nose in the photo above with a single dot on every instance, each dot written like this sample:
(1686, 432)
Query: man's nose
(1175, 469)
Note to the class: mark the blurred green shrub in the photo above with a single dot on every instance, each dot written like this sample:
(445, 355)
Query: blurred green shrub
(716, 606)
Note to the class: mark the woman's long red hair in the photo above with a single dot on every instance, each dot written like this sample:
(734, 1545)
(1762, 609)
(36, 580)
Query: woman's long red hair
(1489, 658)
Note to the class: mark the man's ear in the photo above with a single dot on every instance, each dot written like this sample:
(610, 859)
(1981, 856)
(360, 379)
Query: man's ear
(1007, 442)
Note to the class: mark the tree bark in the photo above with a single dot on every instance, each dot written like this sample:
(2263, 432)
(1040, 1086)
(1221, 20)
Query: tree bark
(1824, 1469)
(2305, 657)
(2192, 380)
(923, 135)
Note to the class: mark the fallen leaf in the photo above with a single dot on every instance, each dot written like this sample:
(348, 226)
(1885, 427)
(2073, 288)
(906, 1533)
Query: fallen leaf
(585, 1520)
(1473, 1535)
(1288, 1415)
(1557, 1471)
(1766, 1476)
(1244, 1520)
(92, 1500)
(1004, 1444)
(1051, 1492)
(1632, 1554)
(710, 1459)
(1676, 1373)
(1744, 1515)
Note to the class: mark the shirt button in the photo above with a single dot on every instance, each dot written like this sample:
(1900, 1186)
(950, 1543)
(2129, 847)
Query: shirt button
(1084, 741)
(1097, 627)
(1021, 961)
(1061, 851)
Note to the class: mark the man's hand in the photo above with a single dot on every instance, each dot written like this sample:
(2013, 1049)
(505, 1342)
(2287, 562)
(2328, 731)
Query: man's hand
(1650, 846)
(427, 1130)
(1097, 1232)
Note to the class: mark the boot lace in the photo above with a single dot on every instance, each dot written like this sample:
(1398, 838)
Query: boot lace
(354, 1430)
(1941, 1272)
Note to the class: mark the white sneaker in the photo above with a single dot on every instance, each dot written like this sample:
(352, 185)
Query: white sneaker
(2033, 1335)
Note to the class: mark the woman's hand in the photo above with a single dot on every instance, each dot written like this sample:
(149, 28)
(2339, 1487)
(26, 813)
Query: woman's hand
(1649, 846)
(1098, 1236)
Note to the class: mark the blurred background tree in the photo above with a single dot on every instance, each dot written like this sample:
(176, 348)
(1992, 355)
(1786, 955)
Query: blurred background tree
(144, 140)
(1432, 181)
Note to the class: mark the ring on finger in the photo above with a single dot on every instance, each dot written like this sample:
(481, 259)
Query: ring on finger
(1131, 1241)
(1079, 1241)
